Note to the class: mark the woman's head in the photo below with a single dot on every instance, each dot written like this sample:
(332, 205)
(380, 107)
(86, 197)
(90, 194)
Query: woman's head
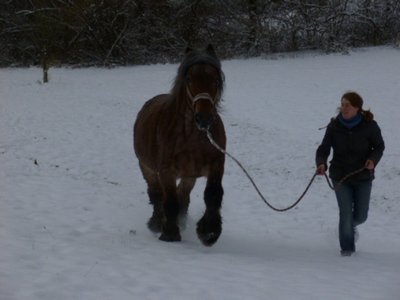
(352, 104)
(354, 99)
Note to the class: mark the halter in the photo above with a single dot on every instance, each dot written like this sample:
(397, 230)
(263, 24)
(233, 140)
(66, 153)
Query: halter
(201, 96)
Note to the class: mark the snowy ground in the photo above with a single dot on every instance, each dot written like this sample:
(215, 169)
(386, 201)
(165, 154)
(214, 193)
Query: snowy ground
(73, 207)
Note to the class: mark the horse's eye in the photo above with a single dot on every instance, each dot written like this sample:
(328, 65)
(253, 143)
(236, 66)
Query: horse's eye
(217, 83)
(188, 80)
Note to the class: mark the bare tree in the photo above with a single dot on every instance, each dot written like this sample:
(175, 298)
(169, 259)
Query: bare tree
(115, 32)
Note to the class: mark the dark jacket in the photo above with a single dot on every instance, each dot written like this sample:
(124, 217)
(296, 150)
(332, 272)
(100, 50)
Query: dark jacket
(351, 149)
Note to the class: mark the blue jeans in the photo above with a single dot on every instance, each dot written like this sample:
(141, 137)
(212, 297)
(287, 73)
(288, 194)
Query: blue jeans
(353, 201)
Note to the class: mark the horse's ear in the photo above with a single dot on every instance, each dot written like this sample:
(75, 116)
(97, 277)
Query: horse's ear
(188, 49)
(210, 50)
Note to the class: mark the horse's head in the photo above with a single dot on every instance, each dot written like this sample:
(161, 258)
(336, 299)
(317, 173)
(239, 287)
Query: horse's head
(202, 84)
(203, 90)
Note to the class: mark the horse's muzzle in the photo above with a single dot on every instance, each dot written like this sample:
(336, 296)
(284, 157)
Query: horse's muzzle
(203, 120)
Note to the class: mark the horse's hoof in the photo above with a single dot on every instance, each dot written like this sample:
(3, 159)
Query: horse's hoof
(170, 238)
(209, 239)
(209, 229)
(155, 225)
(170, 233)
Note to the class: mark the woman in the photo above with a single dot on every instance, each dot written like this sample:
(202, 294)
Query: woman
(357, 144)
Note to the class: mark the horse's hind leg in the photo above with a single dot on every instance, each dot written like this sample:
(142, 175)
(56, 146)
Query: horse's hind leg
(154, 190)
(170, 232)
(209, 226)
(184, 188)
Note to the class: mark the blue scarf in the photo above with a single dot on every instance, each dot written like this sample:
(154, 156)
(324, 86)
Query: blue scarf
(351, 123)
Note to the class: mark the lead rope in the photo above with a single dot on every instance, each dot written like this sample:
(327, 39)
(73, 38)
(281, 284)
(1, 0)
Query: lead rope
(257, 189)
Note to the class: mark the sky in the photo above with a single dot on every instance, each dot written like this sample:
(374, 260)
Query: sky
(73, 203)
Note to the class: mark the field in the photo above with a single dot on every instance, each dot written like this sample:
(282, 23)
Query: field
(73, 204)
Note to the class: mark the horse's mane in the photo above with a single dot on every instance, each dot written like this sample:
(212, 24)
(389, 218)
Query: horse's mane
(194, 57)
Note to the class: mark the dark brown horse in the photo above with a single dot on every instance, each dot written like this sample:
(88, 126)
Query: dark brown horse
(170, 143)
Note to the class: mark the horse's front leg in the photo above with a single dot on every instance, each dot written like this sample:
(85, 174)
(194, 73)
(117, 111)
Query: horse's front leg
(209, 226)
(170, 230)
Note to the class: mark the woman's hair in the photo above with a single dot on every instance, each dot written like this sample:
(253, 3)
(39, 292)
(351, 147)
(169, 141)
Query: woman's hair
(356, 101)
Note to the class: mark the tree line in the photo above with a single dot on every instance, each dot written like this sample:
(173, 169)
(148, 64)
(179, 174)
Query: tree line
(125, 32)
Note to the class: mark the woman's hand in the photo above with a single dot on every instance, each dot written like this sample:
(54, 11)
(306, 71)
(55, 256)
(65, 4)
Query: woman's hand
(370, 165)
(321, 170)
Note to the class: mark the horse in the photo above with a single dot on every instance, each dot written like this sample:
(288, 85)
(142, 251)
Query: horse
(170, 142)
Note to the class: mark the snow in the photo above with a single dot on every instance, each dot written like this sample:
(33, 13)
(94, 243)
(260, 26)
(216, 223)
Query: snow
(73, 203)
